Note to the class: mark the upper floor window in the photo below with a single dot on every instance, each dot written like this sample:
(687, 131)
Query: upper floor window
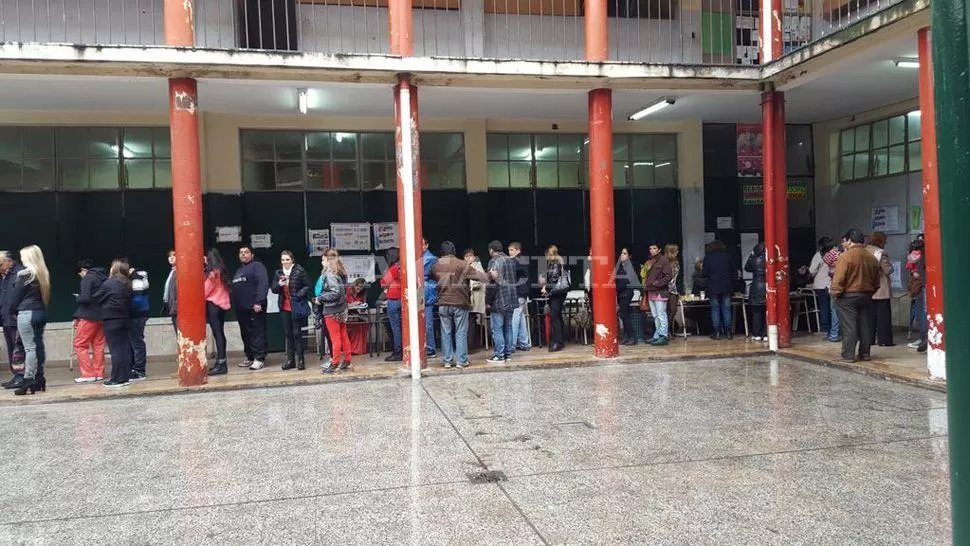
(84, 158)
(882, 148)
(554, 160)
(338, 160)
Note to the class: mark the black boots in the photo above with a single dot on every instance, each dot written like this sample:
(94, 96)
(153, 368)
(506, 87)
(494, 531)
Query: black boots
(14, 382)
(289, 364)
(395, 357)
(221, 367)
(38, 383)
(300, 362)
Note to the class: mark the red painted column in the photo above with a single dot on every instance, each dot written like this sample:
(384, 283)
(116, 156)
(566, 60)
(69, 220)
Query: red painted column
(933, 249)
(769, 22)
(409, 224)
(602, 230)
(187, 201)
(780, 175)
(768, 132)
(400, 27)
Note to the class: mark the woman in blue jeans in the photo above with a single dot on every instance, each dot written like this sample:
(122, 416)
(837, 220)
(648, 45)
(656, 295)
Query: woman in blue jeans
(391, 281)
(720, 278)
(29, 296)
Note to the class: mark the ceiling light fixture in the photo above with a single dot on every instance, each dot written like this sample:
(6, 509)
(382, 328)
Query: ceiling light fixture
(652, 108)
(301, 99)
(902, 62)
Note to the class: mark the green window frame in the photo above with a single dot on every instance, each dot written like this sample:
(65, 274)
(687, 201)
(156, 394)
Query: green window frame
(887, 147)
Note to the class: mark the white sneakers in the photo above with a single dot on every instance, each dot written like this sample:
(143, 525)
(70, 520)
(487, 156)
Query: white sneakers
(257, 365)
(913, 345)
(81, 380)
(245, 364)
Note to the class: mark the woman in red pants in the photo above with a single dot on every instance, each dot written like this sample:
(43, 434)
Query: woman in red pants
(333, 300)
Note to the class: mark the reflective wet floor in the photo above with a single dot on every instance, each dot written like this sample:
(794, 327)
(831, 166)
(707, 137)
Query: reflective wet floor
(723, 451)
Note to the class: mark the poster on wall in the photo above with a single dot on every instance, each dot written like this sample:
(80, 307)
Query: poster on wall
(885, 219)
(750, 150)
(916, 219)
(319, 241)
(229, 234)
(752, 192)
(261, 240)
(360, 267)
(354, 236)
(385, 235)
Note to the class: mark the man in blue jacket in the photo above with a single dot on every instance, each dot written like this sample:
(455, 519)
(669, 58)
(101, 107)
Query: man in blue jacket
(250, 286)
(8, 272)
(140, 309)
(430, 299)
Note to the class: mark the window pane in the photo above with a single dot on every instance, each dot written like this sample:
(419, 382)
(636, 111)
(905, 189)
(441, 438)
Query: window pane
(378, 146)
(798, 150)
(846, 171)
(547, 174)
(289, 176)
(897, 159)
(861, 166)
(38, 142)
(913, 125)
(377, 175)
(664, 147)
(10, 150)
(570, 148)
(915, 156)
(289, 146)
(665, 174)
(880, 134)
(571, 174)
(848, 140)
(163, 173)
(520, 148)
(72, 142)
(547, 147)
(256, 145)
(317, 146)
(139, 173)
(162, 138)
(39, 174)
(104, 174)
(880, 166)
(497, 146)
(319, 176)
(103, 143)
(642, 172)
(73, 174)
(137, 143)
(498, 174)
(442, 146)
(345, 175)
(897, 129)
(621, 147)
(344, 145)
(621, 174)
(642, 147)
(520, 174)
(862, 138)
(439, 175)
(10, 178)
(259, 175)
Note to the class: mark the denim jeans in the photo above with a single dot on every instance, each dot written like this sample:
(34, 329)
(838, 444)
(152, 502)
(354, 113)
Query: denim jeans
(502, 333)
(824, 310)
(721, 312)
(30, 325)
(139, 353)
(834, 329)
(394, 317)
(658, 308)
(921, 317)
(520, 326)
(429, 343)
(454, 321)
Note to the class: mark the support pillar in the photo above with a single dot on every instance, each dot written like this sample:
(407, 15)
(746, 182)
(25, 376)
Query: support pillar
(187, 201)
(409, 224)
(771, 293)
(951, 79)
(776, 220)
(933, 250)
(601, 213)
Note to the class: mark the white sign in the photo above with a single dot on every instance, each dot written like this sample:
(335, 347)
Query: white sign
(228, 234)
(885, 219)
(709, 237)
(897, 276)
(350, 236)
(385, 235)
(319, 241)
(261, 240)
(359, 267)
(725, 222)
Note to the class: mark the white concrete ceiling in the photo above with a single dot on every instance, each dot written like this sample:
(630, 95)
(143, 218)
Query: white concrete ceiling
(854, 85)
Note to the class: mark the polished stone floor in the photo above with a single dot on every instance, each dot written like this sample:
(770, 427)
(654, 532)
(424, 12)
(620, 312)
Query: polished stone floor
(732, 451)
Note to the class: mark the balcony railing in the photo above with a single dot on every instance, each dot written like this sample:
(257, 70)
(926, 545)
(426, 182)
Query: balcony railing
(710, 32)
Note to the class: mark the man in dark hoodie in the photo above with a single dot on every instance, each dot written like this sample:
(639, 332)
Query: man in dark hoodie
(8, 272)
(250, 287)
(88, 330)
(140, 309)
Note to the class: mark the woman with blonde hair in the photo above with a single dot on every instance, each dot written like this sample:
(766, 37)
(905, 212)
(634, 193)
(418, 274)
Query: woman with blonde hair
(29, 297)
(114, 297)
(333, 300)
(555, 285)
(672, 253)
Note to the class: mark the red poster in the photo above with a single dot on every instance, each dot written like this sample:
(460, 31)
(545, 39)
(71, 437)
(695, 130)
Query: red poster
(750, 150)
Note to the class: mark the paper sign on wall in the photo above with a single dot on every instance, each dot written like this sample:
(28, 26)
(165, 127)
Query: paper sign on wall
(725, 222)
(319, 241)
(228, 234)
(916, 219)
(350, 236)
(885, 219)
(261, 240)
(360, 267)
(709, 237)
(385, 235)
(897, 276)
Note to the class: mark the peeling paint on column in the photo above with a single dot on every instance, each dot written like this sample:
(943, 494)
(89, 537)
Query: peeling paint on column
(185, 102)
(192, 361)
(602, 331)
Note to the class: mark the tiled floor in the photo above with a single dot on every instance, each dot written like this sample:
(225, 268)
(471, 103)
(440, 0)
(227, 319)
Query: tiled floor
(752, 449)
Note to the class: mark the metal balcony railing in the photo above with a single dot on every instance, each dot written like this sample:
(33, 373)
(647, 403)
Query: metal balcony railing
(710, 32)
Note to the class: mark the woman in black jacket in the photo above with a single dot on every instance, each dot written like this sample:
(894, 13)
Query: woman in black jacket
(292, 284)
(114, 296)
(556, 291)
(28, 299)
(757, 294)
(626, 281)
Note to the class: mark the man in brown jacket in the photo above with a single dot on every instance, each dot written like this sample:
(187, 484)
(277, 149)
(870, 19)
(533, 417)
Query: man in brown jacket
(655, 286)
(855, 280)
(454, 301)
